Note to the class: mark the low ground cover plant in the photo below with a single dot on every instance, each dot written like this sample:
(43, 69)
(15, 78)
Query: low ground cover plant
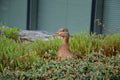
(94, 67)
(37, 60)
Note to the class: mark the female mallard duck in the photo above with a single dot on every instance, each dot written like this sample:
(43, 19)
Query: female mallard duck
(64, 51)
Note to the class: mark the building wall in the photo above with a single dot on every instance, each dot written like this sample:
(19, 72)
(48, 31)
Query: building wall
(111, 16)
(73, 14)
(47, 15)
(107, 17)
(13, 13)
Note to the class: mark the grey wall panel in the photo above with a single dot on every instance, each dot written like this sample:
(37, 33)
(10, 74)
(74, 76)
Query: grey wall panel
(111, 17)
(51, 15)
(79, 14)
(73, 14)
(13, 13)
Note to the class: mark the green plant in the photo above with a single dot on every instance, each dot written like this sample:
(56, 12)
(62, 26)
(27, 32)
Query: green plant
(9, 32)
(15, 55)
(111, 44)
(46, 49)
(85, 43)
(95, 66)
(37, 60)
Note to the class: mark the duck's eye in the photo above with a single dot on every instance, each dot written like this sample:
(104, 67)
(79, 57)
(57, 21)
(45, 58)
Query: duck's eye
(63, 30)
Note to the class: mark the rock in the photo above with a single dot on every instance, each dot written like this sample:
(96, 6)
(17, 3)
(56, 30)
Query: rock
(33, 35)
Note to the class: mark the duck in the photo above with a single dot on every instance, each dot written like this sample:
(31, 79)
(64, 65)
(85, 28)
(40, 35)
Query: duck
(64, 50)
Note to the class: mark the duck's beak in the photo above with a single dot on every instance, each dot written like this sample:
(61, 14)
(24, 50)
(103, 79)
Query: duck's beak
(56, 35)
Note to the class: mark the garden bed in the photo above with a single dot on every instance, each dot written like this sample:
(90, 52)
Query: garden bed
(37, 60)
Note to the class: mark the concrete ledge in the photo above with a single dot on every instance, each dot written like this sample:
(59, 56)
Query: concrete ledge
(33, 35)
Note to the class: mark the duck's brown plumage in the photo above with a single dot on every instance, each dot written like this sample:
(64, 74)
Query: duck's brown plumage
(64, 51)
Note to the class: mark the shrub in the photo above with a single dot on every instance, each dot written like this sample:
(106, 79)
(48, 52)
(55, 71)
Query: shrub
(46, 49)
(85, 43)
(111, 44)
(9, 32)
(15, 55)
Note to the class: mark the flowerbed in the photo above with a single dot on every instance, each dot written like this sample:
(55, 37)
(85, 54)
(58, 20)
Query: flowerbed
(37, 60)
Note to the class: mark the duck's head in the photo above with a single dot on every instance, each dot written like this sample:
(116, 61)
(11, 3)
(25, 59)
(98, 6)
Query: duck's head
(62, 32)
